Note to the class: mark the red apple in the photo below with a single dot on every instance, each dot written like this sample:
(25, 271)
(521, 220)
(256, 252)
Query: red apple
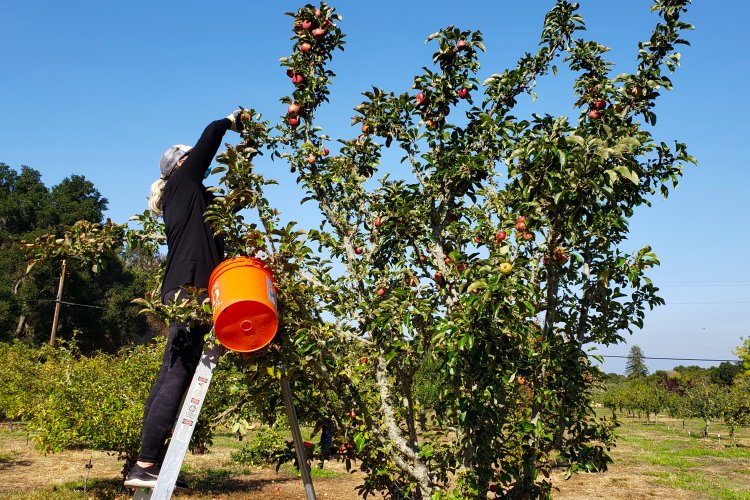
(420, 98)
(325, 151)
(318, 13)
(304, 47)
(461, 44)
(462, 266)
(438, 276)
(520, 225)
(381, 292)
(365, 128)
(293, 122)
(600, 104)
(528, 236)
(311, 159)
(448, 260)
(289, 72)
(636, 91)
(293, 109)
(412, 281)
(594, 114)
(477, 240)
(378, 222)
(358, 250)
(297, 79)
(362, 361)
(463, 92)
(306, 25)
(501, 235)
(521, 218)
(318, 32)
(423, 258)
(431, 124)
(560, 255)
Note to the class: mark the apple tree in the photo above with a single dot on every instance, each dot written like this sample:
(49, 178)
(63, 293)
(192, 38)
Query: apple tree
(743, 352)
(493, 256)
(83, 243)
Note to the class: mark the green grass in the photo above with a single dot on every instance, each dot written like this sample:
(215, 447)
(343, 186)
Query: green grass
(712, 487)
(95, 489)
(674, 458)
(7, 457)
(315, 472)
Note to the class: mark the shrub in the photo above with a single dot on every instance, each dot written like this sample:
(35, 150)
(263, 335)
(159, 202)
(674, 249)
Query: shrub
(266, 447)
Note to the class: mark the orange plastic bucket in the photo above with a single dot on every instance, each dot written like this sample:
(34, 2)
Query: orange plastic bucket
(243, 298)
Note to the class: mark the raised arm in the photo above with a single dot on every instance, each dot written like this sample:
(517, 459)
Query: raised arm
(202, 154)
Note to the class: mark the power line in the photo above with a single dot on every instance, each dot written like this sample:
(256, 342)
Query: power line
(707, 284)
(673, 359)
(700, 282)
(66, 303)
(716, 303)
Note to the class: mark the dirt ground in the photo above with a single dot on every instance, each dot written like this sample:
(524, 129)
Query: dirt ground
(26, 474)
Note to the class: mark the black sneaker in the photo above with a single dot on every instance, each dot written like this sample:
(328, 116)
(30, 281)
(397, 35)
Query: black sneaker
(142, 477)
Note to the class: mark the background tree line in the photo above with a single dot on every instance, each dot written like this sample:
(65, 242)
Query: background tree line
(717, 393)
(106, 318)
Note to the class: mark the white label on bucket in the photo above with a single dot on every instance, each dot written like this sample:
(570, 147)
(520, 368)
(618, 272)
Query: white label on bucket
(271, 291)
(216, 300)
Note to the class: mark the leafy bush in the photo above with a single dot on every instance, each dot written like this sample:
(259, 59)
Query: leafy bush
(22, 372)
(97, 402)
(267, 446)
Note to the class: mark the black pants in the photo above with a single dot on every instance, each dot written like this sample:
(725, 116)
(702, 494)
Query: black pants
(181, 356)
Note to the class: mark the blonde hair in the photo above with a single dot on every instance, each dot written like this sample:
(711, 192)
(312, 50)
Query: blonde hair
(155, 201)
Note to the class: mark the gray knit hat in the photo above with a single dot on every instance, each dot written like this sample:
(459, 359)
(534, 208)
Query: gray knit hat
(170, 158)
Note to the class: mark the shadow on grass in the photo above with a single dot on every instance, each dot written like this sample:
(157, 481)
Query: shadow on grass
(8, 460)
(205, 482)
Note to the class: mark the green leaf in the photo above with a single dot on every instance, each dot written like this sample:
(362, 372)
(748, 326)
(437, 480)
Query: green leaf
(359, 441)
(628, 174)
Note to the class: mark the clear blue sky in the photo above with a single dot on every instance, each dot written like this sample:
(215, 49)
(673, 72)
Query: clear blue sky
(102, 88)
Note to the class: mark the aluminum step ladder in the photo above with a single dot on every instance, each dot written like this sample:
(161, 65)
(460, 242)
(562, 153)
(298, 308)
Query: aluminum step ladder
(184, 426)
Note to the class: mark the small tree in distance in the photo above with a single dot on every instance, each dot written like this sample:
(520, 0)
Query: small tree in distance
(636, 367)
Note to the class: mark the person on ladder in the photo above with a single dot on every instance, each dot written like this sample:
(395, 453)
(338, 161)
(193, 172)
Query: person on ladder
(192, 253)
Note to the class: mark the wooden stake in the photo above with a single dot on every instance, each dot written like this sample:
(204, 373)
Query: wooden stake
(53, 334)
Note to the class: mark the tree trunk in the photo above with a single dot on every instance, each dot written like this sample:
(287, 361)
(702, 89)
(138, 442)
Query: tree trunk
(411, 425)
(56, 318)
(21, 325)
(401, 452)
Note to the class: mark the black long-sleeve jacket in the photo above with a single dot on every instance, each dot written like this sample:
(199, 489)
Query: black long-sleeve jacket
(192, 250)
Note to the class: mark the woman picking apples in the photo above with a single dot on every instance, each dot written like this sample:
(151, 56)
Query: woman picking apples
(192, 253)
